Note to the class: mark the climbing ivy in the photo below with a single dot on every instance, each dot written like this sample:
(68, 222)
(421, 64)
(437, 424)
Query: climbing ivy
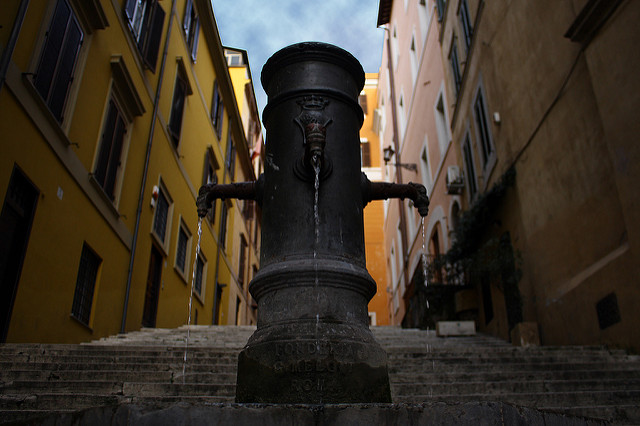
(474, 257)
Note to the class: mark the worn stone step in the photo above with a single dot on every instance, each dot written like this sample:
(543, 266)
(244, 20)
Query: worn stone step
(117, 359)
(439, 367)
(148, 366)
(614, 414)
(57, 401)
(513, 387)
(553, 400)
(117, 375)
(615, 372)
(177, 389)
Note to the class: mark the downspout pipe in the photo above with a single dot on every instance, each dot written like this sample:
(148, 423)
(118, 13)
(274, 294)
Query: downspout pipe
(154, 115)
(13, 39)
(396, 143)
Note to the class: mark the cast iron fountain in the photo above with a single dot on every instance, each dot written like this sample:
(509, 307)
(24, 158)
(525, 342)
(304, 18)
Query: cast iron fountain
(312, 343)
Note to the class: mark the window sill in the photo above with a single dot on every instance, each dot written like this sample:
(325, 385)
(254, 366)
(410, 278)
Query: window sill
(181, 274)
(108, 201)
(79, 321)
(46, 112)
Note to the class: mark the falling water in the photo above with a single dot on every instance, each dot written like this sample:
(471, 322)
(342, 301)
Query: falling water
(315, 162)
(424, 260)
(193, 282)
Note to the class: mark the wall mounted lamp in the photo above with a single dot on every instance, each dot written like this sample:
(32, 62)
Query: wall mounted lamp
(388, 153)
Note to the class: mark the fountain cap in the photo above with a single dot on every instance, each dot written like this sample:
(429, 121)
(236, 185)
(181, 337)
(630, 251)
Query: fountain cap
(312, 51)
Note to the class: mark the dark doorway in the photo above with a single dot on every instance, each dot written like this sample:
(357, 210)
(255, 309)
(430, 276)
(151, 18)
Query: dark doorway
(15, 226)
(153, 288)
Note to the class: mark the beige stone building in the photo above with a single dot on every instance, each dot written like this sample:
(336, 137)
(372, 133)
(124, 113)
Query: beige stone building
(550, 90)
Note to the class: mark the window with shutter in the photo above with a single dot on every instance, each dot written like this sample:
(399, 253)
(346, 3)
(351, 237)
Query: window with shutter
(209, 176)
(54, 74)
(217, 108)
(85, 285)
(160, 218)
(177, 108)
(110, 153)
(146, 19)
(230, 160)
(191, 27)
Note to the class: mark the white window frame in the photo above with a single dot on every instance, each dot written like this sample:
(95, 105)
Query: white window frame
(425, 165)
(187, 253)
(488, 166)
(164, 244)
(442, 121)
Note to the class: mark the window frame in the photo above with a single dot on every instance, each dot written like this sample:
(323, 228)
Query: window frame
(191, 28)
(454, 62)
(465, 24)
(87, 289)
(62, 118)
(484, 133)
(468, 157)
(425, 165)
(118, 173)
(210, 163)
(182, 228)
(148, 36)
(163, 242)
(178, 101)
(217, 110)
(200, 257)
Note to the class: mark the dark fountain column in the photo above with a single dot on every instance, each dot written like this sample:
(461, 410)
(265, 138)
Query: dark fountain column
(313, 343)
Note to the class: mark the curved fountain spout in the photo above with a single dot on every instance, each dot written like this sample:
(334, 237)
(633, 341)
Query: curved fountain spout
(384, 190)
(240, 191)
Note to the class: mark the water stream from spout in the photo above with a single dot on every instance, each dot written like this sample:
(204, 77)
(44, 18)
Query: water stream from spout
(424, 260)
(193, 282)
(316, 163)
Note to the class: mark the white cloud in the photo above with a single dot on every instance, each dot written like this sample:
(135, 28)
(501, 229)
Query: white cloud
(263, 27)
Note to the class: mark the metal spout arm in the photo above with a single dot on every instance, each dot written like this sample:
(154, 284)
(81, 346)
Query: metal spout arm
(385, 190)
(240, 191)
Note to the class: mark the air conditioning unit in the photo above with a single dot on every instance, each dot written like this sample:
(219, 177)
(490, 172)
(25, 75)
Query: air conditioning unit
(454, 180)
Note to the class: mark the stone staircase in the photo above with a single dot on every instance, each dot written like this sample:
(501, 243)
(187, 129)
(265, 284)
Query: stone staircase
(146, 367)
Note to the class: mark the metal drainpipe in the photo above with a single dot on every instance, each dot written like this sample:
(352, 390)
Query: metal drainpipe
(13, 39)
(154, 115)
(403, 225)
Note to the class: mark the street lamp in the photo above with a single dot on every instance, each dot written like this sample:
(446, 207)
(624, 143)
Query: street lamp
(388, 153)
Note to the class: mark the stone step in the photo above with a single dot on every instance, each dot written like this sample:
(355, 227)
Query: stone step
(148, 366)
(615, 372)
(433, 367)
(513, 387)
(614, 414)
(116, 375)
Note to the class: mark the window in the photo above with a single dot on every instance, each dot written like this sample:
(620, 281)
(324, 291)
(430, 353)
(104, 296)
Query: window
(182, 250)
(85, 285)
(365, 152)
(394, 271)
(441, 4)
(413, 55)
(442, 125)
(465, 21)
(425, 169)
(223, 225)
(146, 18)
(455, 66)
(58, 60)
(469, 167)
(423, 14)
(191, 27)
(362, 100)
(209, 176)
(200, 276)
(162, 216)
(242, 262)
(403, 118)
(217, 108)
(482, 127)
(394, 46)
(109, 159)
(230, 160)
(180, 92)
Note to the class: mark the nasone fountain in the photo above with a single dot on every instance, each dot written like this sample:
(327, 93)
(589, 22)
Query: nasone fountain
(312, 343)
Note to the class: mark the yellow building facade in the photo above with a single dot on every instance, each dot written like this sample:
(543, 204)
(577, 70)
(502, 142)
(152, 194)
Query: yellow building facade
(374, 212)
(114, 113)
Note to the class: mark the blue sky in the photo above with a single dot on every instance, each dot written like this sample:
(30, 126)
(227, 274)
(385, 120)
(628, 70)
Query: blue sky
(262, 27)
